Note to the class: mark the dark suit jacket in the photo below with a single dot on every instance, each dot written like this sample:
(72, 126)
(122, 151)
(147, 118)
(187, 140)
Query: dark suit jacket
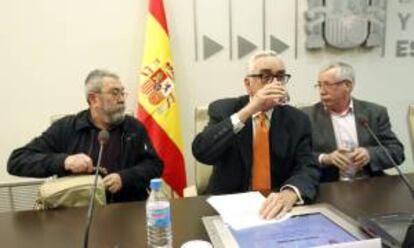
(378, 121)
(231, 154)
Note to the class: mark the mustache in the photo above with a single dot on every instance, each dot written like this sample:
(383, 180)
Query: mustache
(118, 108)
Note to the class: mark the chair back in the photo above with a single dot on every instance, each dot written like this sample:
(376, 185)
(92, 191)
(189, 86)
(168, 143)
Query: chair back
(202, 171)
(18, 196)
(411, 125)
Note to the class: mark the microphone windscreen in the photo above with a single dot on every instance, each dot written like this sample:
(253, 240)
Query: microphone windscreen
(103, 137)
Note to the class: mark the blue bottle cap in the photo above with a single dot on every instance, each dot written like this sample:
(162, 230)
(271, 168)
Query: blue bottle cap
(155, 183)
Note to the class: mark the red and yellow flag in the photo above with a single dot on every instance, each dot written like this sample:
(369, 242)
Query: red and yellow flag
(157, 98)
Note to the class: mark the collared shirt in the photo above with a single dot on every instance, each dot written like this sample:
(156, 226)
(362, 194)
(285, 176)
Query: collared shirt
(268, 117)
(345, 128)
(345, 132)
(238, 125)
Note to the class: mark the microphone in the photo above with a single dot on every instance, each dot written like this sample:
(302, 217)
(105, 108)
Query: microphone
(103, 137)
(364, 122)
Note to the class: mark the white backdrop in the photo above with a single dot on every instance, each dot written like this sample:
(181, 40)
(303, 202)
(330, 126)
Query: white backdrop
(47, 48)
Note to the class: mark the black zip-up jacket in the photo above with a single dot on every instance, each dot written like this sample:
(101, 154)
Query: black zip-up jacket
(44, 156)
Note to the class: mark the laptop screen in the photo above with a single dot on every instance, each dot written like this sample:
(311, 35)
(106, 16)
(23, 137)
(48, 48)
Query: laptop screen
(306, 230)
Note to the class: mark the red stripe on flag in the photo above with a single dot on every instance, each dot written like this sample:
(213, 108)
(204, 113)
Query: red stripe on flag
(174, 168)
(156, 8)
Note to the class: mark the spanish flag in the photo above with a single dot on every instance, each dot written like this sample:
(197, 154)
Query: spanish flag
(157, 98)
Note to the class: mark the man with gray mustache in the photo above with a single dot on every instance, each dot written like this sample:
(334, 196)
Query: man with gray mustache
(70, 145)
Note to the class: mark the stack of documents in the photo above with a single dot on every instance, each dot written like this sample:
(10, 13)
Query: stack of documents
(241, 210)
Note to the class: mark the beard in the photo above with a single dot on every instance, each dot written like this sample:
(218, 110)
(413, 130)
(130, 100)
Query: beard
(114, 114)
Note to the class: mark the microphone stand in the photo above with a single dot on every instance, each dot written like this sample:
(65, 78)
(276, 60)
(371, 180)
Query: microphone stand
(102, 137)
(375, 225)
(400, 173)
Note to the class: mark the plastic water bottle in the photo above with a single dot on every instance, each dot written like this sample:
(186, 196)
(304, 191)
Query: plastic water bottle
(158, 218)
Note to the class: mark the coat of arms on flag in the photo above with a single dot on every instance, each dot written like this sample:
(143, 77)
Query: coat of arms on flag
(158, 84)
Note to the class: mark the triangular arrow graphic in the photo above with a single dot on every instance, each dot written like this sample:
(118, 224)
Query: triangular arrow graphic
(244, 46)
(210, 47)
(277, 45)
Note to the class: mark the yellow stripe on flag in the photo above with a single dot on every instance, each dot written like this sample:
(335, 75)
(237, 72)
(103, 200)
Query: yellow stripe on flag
(156, 40)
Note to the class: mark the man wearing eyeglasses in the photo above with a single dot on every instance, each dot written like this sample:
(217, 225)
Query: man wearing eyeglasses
(257, 142)
(342, 144)
(70, 145)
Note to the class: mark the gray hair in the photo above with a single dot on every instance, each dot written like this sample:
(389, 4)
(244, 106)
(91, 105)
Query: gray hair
(258, 55)
(93, 82)
(343, 70)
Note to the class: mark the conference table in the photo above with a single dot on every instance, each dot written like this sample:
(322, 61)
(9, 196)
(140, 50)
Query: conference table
(124, 224)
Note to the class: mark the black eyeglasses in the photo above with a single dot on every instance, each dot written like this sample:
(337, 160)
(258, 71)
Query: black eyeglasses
(269, 77)
(329, 85)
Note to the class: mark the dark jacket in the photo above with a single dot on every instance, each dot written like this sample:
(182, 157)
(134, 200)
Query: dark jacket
(378, 120)
(44, 156)
(231, 154)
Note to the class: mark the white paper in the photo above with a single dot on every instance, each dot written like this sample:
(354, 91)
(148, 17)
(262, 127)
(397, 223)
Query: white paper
(241, 210)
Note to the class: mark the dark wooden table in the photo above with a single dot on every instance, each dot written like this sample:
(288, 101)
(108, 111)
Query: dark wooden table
(124, 225)
(379, 195)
